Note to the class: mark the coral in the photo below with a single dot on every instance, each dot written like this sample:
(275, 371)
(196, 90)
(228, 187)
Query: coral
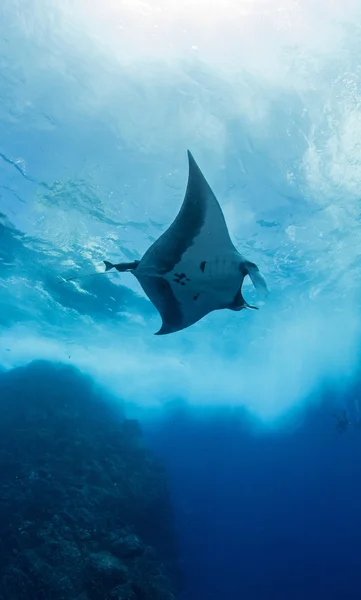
(85, 509)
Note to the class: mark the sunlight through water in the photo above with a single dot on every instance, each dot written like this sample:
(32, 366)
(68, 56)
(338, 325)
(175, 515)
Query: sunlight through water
(99, 103)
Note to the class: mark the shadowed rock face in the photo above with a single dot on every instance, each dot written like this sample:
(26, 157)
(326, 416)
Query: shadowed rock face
(85, 512)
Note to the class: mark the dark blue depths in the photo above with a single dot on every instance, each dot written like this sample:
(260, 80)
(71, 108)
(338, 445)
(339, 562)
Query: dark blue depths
(263, 515)
(259, 514)
(85, 512)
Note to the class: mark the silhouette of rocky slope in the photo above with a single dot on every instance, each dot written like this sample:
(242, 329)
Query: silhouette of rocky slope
(85, 512)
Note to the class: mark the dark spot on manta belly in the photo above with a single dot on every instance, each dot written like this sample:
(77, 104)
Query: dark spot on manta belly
(180, 278)
(202, 266)
(195, 297)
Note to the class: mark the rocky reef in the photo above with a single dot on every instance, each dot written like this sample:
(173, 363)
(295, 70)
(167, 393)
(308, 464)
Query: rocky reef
(85, 512)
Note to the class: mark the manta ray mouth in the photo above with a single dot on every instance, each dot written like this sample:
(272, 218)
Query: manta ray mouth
(239, 303)
(257, 278)
(258, 282)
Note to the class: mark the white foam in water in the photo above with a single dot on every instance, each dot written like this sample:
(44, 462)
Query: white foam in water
(104, 99)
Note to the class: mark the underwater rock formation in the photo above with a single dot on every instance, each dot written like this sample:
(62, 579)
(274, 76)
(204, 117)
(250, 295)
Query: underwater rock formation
(85, 512)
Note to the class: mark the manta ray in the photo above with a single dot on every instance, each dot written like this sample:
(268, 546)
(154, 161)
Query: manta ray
(193, 268)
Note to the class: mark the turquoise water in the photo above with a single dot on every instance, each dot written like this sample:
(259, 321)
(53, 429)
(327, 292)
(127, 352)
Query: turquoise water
(99, 103)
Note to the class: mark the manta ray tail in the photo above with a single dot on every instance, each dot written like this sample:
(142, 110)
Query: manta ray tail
(122, 267)
(108, 265)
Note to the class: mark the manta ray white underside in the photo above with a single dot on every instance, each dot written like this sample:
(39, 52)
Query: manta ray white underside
(193, 268)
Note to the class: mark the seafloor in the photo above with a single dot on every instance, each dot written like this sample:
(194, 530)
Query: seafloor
(85, 511)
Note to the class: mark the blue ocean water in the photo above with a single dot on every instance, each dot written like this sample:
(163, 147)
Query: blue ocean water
(99, 103)
(264, 514)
